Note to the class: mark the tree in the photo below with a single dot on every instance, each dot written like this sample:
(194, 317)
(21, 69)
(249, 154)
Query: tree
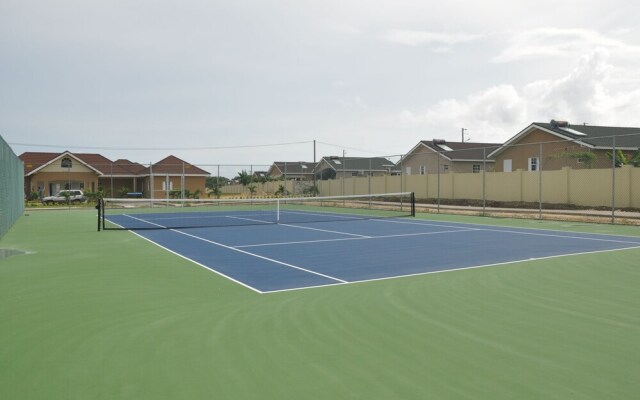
(620, 158)
(212, 182)
(252, 190)
(244, 178)
(585, 157)
(123, 191)
(635, 158)
(282, 191)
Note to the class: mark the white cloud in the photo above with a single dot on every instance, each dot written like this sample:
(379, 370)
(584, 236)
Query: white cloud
(561, 43)
(499, 112)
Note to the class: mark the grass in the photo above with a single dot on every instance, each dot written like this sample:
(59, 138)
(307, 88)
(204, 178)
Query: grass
(107, 315)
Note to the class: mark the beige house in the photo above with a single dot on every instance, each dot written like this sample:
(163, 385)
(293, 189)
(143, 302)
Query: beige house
(172, 174)
(437, 155)
(558, 144)
(48, 173)
(346, 167)
(292, 170)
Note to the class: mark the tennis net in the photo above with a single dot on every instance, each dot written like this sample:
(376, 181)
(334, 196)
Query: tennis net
(135, 214)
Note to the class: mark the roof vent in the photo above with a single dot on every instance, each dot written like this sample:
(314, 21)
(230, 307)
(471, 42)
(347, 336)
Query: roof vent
(559, 124)
(439, 141)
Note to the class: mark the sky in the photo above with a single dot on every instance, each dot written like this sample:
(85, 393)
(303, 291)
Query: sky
(252, 82)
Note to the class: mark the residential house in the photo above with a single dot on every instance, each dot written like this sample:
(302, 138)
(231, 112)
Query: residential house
(172, 174)
(431, 156)
(345, 167)
(292, 170)
(48, 173)
(558, 144)
(260, 176)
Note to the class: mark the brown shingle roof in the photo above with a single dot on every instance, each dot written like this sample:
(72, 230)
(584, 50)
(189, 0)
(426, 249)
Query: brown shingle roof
(169, 165)
(34, 160)
(174, 166)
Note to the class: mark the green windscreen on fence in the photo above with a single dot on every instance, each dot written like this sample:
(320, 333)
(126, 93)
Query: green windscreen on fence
(11, 187)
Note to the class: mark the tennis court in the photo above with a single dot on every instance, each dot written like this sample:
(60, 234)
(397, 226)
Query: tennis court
(288, 245)
(108, 315)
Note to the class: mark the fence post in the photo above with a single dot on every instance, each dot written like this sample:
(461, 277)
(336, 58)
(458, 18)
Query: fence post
(111, 179)
(613, 181)
(369, 175)
(540, 183)
(484, 181)
(438, 191)
(401, 171)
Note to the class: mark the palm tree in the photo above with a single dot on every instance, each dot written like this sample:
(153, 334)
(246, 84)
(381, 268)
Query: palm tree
(244, 177)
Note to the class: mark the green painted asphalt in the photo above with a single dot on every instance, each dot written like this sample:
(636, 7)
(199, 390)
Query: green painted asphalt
(108, 315)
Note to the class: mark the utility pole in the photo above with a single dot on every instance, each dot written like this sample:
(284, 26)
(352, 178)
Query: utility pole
(463, 129)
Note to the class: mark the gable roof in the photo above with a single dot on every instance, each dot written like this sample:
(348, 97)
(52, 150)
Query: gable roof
(35, 161)
(358, 163)
(133, 168)
(457, 151)
(292, 167)
(594, 136)
(174, 166)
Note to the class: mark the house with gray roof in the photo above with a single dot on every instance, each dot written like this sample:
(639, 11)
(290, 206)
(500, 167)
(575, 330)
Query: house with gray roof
(292, 170)
(333, 167)
(438, 155)
(558, 144)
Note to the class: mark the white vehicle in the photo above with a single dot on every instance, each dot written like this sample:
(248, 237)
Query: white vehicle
(64, 196)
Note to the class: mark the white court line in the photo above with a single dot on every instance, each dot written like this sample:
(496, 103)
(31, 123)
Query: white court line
(326, 230)
(259, 256)
(455, 269)
(249, 219)
(489, 227)
(518, 231)
(353, 238)
(199, 264)
(185, 257)
(561, 236)
(142, 220)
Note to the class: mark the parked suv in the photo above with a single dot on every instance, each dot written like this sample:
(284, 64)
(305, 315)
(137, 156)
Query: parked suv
(73, 196)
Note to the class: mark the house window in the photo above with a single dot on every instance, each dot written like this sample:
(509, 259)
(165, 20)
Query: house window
(354, 174)
(445, 167)
(66, 162)
(533, 164)
(423, 169)
(408, 169)
(164, 185)
(507, 165)
(476, 168)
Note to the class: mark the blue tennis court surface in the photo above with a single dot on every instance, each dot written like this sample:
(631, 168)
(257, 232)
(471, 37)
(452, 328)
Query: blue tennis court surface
(277, 257)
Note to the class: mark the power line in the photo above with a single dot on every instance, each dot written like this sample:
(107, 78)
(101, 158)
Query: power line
(158, 148)
(350, 148)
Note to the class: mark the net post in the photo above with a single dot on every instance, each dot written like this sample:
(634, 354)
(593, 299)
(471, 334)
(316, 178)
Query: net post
(99, 208)
(413, 204)
(278, 211)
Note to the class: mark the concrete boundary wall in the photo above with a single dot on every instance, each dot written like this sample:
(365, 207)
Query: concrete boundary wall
(583, 187)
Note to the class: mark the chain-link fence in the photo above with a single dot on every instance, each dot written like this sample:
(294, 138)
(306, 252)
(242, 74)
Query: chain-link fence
(587, 180)
(596, 180)
(11, 187)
